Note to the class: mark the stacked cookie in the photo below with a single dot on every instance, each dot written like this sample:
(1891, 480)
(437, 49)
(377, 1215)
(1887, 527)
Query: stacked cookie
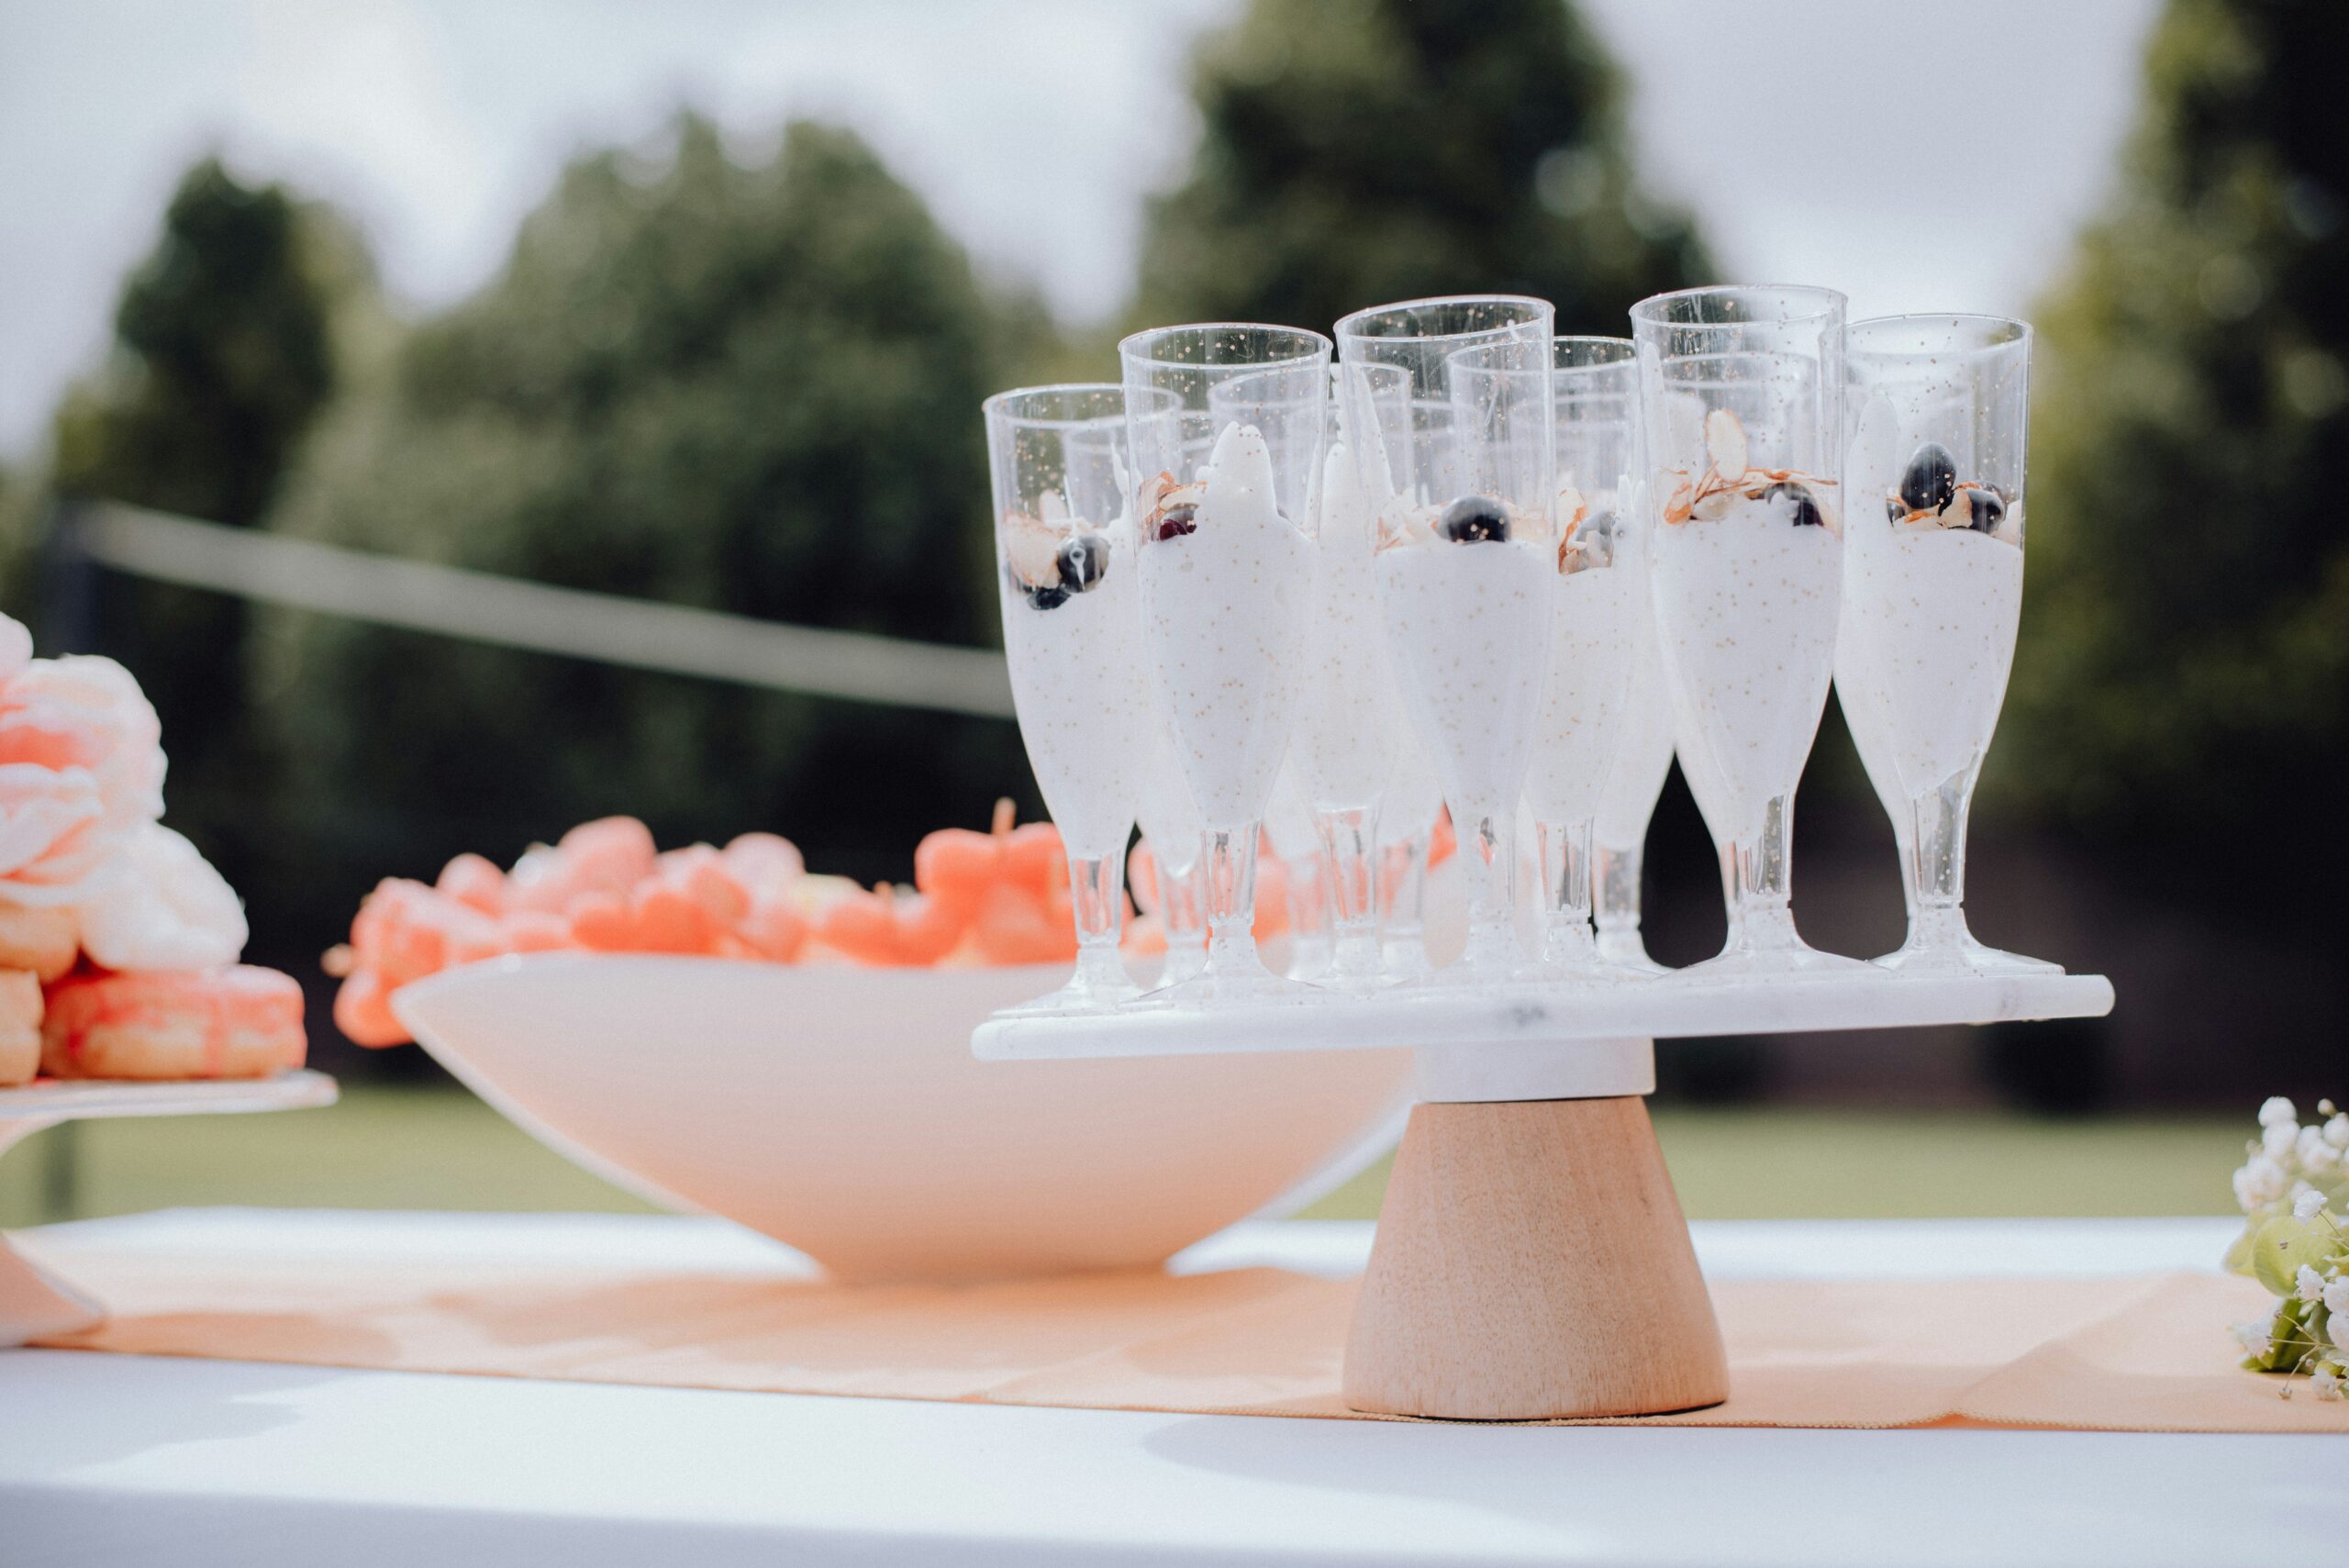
(118, 941)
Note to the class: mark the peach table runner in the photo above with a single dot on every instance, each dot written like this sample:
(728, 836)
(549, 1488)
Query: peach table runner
(2149, 1352)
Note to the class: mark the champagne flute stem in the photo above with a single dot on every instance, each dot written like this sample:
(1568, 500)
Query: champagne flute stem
(1228, 865)
(1563, 848)
(1097, 888)
(1490, 853)
(1937, 860)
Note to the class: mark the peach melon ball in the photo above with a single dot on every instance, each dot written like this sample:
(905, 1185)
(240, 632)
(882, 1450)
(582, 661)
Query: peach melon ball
(999, 896)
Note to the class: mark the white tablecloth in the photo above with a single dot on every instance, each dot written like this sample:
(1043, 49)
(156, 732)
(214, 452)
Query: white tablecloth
(108, 1459)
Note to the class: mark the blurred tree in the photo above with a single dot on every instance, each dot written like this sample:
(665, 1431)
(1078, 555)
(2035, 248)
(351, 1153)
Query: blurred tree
(2185, 665)
(224, 352)
(752, 388)
(1394, 149)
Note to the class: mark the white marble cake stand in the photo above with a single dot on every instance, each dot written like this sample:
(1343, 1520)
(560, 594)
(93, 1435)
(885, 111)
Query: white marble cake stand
(33, 1302)
(1532, 1260)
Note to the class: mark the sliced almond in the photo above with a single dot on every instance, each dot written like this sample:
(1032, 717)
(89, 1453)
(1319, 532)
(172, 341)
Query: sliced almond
(1032, 548)
(1677, 504)
(1725, 443)
(1572, 507)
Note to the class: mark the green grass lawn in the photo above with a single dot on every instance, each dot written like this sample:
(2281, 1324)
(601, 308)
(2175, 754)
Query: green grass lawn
(439, 1149)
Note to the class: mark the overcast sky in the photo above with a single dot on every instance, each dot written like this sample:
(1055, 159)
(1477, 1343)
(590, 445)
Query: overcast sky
(1918, 156)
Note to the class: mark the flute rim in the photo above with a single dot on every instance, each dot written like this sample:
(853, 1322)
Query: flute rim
(1834, 304)
(2025, 334)
(1341, 332)
(1320, 349)
(997, 405)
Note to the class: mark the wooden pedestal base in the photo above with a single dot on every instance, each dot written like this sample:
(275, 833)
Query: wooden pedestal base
(1531, 1262)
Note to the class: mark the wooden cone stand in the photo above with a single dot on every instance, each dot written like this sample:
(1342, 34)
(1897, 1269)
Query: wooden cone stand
(1531, 1262)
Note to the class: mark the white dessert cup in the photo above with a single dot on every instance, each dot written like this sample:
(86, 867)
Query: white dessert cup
(1933, 596)
(1465, 556)
(1170, 827)
(1225, 572)
(1634, 783)
(1741, 391)
(1598, 624)
(1065, 567)
(1348, 713)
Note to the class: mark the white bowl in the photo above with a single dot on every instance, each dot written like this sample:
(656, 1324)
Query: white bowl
(840, 1110)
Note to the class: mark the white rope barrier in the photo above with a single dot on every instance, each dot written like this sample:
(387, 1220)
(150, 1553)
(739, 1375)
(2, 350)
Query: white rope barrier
(513, 613)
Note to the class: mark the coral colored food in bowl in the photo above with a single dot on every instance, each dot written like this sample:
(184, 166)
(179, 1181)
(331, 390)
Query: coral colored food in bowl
(717, 1029)
(838, 1109)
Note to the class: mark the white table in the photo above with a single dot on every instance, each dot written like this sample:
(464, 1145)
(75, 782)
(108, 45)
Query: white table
(108, 1459)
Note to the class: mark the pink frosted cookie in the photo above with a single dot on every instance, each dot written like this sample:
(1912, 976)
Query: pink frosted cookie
(239, 1022)
(20, 1008)
(41, 939)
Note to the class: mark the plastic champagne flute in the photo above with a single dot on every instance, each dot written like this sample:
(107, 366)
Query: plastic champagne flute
(1634, 783)
(1226, 571)
(1465, 563)
(1741, 392)
(1170, 825)
(1406, 816)
(1065, 551)
(1597, 625)
(1932, 590)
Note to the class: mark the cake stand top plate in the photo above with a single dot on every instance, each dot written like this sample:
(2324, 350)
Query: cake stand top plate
(1662, 1008)
(55, 1100)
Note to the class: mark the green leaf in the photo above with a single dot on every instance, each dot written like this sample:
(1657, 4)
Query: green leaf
(2281, 1247)
(2238, 1258)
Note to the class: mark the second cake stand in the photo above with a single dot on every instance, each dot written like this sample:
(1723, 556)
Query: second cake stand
(33, 1302)
(1531, 1261)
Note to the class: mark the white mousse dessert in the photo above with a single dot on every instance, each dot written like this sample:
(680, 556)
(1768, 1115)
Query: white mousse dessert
(1163, 807)
(1071, 634)
(1935, 610)
(1595, 622)
(1345, 724)
(1747, 591)
(1225, 592)
(1643, 748)
(1858, 695)
(1469, 624)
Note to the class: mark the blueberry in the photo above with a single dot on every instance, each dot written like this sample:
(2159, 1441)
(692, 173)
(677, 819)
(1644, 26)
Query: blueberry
(1177, 521)
(1989, 510)
(1083, 559)
(1474, 518)
(1931, 478)
(1049, 597)
(1805, 510)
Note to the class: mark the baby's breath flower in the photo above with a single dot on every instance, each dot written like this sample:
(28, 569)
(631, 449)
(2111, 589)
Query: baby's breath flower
(2327, 1386)
(2308, 1285)
(2336, 1329)
(2308, 1205)
(2252, 1338)
(2275, 1108)
(2336, 1132)
(2336, 1296)
(2279, 1139)
(2261, 1181)
(2315, 1154)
